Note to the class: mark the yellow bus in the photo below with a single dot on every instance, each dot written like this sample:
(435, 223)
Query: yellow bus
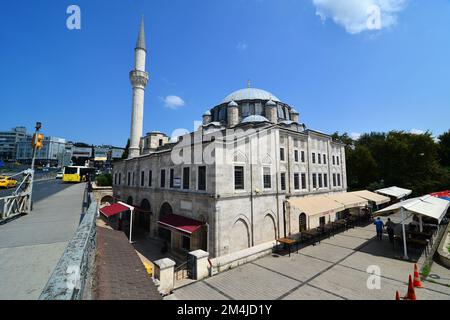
(77, 174)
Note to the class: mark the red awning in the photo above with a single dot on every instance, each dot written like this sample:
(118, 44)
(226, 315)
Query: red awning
(113, 209)
(441, 194)
(181, 223)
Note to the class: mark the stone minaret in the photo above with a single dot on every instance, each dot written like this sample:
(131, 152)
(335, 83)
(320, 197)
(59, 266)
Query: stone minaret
(139, 79)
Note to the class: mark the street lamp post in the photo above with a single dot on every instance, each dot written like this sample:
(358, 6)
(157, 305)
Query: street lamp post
(38, 127)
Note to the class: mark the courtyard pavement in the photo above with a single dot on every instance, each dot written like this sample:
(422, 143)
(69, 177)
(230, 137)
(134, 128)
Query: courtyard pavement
(31, 245)
(335, 269)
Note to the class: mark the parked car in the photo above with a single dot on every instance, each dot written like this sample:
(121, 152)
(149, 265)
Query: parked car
(7, 182)
(59, 175)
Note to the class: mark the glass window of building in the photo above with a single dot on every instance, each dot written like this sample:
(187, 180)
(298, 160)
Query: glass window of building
(267, 178)
(337, 160)
(163, 178)
(281, 154)
(296, 181)
(246, 110)
(150, 176)
(287, 115)
(319, 177)
(334, 179)
(302, 155)
(120, 178)
(280, 112)
(171, 178)
(283, 181)
(324, 159)
(314, 178)
(325, 180)
(222, 114)
(319, 160)
(239, 177)
(339, 179)
(334, 160)
(303, 180)
(313, 157)
(202, 178)
(259, 110)
(142, 178)
(186, 177)
(296, 155)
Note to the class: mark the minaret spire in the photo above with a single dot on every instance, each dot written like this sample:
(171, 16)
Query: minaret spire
(141, 38)
(139, 79)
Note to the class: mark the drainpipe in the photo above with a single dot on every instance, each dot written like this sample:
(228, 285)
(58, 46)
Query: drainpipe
(251, 191)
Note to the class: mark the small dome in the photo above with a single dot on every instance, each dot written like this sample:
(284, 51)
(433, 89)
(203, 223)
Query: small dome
(293, 111)
(271, 103)
(207, 113)
(250, 94)
(233, 104)
(255, 118)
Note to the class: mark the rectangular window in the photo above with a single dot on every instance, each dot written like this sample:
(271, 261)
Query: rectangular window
(334, 179)
(324, 159)
(281, 154)
(120, 178)
(163, 179)
(246, 111)
(239, 178)
(171, 178)
(339, 179)
(115, 178)
(334, 160)
(319, 160)
(267, 178)
(186, 177)
(150, 177)
(129, 178)
(142, 178)
(283, 181)
(337, 160)
(325, 180)
(259, 110)
(314, 177)
(313, 158)
(303, 156)
(133, 179)
(319, 177)
(296, 155)
(303, 180)
(202, 178)
(296, 181)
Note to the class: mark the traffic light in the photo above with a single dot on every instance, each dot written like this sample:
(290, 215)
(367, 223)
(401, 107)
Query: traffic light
(37, 143)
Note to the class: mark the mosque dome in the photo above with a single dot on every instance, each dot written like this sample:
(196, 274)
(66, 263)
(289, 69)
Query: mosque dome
(250, 94)
(255, 118)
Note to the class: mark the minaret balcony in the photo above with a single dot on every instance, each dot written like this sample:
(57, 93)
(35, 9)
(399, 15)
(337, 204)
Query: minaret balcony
(139, 78)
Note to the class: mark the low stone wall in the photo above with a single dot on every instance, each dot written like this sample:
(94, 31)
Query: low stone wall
(443, 253)
(69, 279)
(236, 259)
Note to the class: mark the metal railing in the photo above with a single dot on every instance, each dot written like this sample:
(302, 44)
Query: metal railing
(181, 272)
(71, 275)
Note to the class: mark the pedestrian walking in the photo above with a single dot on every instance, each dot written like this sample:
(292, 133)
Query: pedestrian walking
(379, 227)
(390, 230)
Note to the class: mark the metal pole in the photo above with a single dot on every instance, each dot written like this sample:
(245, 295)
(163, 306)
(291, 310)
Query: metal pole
(404, 234)
(131, 223)
(38, 126)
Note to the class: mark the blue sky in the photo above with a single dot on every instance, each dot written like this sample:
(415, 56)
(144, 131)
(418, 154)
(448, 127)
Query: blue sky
(313, 54)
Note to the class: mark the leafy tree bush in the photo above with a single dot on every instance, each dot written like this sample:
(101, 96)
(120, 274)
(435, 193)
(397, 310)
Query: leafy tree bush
(104, 180)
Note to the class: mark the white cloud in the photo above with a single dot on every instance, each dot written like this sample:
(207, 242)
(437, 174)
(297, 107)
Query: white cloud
(360, 15)
(173, 102)
(242, 46)
(417, 131)
(355, 135)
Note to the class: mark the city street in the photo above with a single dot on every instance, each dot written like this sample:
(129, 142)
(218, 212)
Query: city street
(41, 189)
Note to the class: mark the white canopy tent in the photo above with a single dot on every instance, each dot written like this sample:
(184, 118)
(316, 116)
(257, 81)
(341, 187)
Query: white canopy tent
(423, 206)
(395, 192)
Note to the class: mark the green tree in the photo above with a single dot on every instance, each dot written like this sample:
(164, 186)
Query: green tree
(125, 153)
(444, 148)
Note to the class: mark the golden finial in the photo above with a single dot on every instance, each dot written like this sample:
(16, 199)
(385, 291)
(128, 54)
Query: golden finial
(248, 83)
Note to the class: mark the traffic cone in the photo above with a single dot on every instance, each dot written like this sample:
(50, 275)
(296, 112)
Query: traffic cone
(411, 295)
(397, 295)
(417, 283)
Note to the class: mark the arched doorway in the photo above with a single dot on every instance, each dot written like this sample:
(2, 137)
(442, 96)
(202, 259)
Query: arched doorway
(302, 225)
(144, 216)
(164, 233)
(268, 230)
(239, 236)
